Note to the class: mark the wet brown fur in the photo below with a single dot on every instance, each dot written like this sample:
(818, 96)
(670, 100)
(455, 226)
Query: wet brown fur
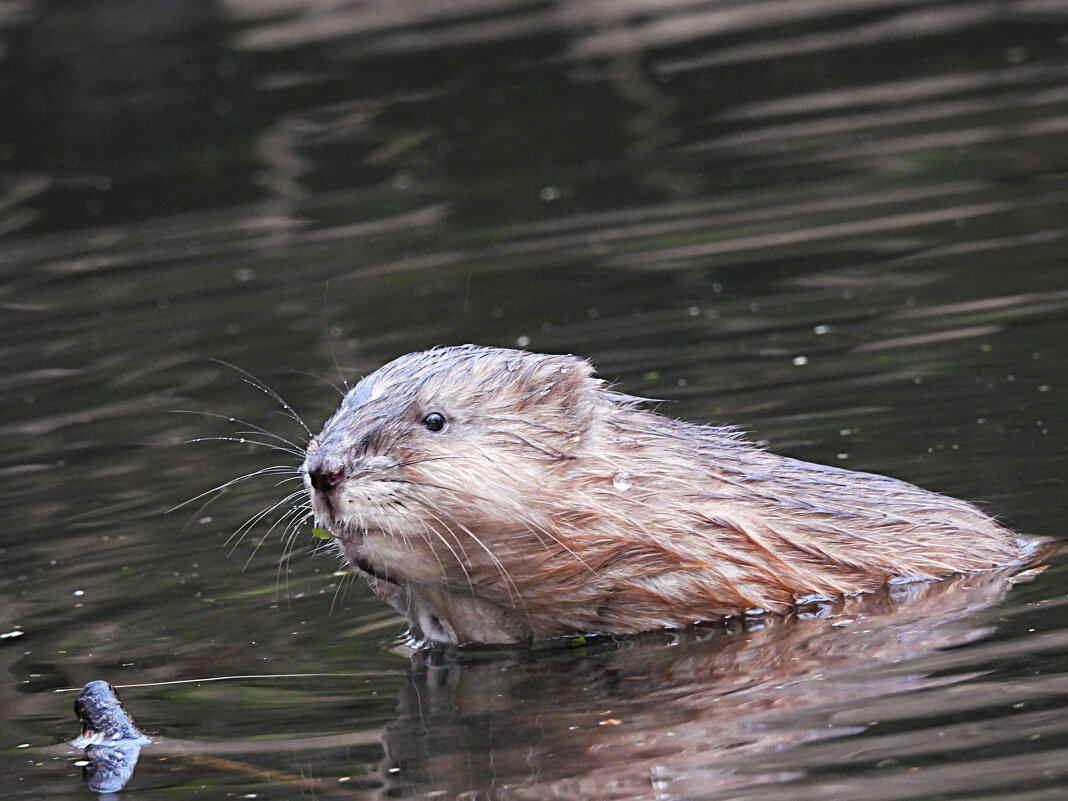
(550, 504)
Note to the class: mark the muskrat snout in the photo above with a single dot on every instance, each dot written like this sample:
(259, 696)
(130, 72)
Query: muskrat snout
(324, 478)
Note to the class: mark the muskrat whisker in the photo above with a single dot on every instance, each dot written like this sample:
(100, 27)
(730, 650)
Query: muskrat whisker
(296, 477)
(478, 541)
(282, 570)
(297, 517)
(295, 449)
(263, 471)
(251, 523)
(431, 485)
(288, 513)
(448, 584)
(246, 441)
(543, 427)
(529, 524)
(459, 544)
(551, 453)
(252, 381)
(326, 381)
(292, 518)
(421, 460)
(539, 530)
(343, 580)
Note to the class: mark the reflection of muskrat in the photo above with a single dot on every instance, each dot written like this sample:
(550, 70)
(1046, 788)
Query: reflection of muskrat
(495, 495)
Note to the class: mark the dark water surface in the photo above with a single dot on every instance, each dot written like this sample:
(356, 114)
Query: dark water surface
(841, 225)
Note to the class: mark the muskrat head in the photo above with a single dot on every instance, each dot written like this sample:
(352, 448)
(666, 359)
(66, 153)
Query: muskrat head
(434, 473)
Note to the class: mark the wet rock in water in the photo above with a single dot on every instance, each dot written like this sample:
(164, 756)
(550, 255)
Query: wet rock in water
(111, 739)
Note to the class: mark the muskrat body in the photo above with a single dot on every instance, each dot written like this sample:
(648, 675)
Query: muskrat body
(494, 495)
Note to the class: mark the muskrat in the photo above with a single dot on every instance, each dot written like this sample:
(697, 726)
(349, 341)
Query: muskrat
(494, 495)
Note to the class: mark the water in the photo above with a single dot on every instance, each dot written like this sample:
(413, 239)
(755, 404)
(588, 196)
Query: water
(841, 225)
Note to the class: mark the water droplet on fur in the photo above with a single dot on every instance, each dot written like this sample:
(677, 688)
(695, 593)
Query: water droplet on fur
(621, 481)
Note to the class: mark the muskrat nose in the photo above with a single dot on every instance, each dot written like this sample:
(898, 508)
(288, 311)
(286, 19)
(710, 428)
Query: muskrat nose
(325, 479)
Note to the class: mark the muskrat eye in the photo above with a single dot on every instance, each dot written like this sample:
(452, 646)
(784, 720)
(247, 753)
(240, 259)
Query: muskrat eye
(434, 421)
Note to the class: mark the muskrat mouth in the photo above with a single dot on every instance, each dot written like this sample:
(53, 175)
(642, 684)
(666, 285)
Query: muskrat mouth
(371, 570)
(355, 538)
(351, 536)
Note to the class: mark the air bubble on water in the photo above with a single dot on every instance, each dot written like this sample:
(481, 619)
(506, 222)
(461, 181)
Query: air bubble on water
(621, 481)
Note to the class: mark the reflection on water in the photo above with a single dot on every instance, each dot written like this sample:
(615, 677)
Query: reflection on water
(838, 224)
(675, 715)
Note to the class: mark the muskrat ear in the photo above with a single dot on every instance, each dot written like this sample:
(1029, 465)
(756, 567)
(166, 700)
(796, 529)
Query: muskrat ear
(570, 384)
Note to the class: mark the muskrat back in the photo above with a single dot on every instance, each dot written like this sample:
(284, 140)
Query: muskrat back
(496, 495)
